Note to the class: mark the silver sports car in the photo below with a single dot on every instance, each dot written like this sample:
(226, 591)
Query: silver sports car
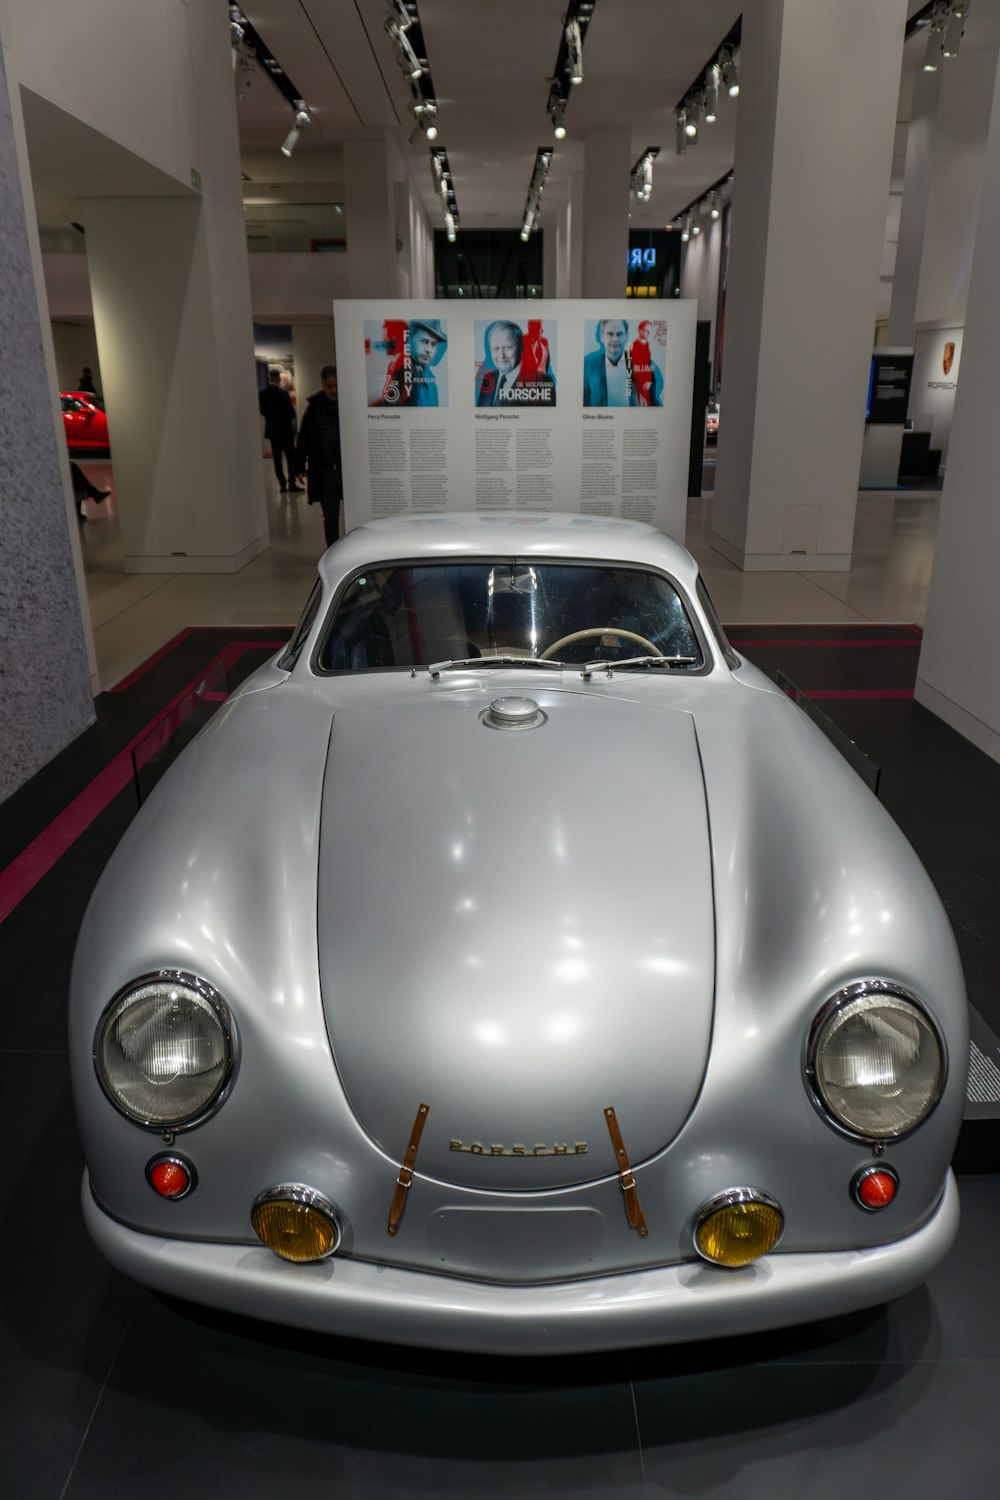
(510, 966)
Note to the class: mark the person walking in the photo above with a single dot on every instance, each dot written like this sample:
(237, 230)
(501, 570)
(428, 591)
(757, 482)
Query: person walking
(279, 429)
(318, 452)
(82, 486)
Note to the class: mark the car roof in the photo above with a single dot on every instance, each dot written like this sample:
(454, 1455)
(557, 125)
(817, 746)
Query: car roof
(466, 534)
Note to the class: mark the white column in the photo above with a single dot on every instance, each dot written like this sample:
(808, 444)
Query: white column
(560, 225)
(913, 213)
(371, 234)
(700, 269)
(172, 314)
(958, 677)
(604, 228)
(575, 288)
(47, 697)
(550, 253)
(957, 162)
(812, 176)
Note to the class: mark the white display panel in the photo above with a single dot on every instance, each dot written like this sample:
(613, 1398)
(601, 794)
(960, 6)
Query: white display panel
(580, 406)
(937, 356)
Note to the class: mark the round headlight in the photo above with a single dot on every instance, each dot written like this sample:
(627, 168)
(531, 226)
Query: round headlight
(164, 1050)
(738, 1227)
(875, 1060)
(296, 1222)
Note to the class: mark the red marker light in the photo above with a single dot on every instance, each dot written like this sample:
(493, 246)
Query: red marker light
(169, 1177)
(875, 1188)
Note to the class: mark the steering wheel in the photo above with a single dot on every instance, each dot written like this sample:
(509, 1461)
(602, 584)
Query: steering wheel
(583, 635)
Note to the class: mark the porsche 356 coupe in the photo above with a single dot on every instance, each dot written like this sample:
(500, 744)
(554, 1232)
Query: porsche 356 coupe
(510, 966)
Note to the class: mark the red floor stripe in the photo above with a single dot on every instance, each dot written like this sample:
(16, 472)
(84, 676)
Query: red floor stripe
(23, 873)
(741, 640)
(858, 692)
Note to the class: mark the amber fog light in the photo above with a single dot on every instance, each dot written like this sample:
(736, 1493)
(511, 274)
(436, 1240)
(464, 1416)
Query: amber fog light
(737, 1227)
(296, 1222)
(874, 1188)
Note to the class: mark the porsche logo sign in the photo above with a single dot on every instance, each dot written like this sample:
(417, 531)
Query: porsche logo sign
(479, 1148)
(949, 357)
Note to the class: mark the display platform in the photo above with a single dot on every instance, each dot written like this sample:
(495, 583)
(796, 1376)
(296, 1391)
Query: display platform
(95, 1369)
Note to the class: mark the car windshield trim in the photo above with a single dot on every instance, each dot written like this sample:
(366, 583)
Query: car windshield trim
(687, 599)
(437, 667)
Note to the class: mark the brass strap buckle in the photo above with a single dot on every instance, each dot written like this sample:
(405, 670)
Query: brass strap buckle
(404, 1179)
(633, 1208)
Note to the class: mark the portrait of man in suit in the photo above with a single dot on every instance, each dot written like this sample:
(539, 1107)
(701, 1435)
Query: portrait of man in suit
(516, 369)
(610, 376)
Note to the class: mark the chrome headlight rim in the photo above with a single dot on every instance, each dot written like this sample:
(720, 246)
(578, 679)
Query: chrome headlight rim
(224, 1015)
(861, 989)
(303, 1196)
(736, 1197)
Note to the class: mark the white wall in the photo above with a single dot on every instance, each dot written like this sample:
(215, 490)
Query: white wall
(313, 347)
(700, 270)
(75, 346)
(957, 676)
(123, 68)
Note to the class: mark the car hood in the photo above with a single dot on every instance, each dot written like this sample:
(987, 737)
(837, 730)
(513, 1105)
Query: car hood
(515, 927)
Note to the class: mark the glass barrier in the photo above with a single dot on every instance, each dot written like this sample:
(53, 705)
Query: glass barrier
(161, 746)
(297, 228)
(870, 773)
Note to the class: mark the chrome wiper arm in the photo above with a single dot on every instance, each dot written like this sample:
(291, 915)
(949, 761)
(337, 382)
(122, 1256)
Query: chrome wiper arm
(637, 661)
(437, 667)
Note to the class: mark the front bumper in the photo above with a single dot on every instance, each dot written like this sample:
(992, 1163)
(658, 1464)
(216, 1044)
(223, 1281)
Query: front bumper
(666, 1305)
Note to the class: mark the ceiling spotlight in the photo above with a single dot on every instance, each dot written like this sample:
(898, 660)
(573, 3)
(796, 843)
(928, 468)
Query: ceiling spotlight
(400, 14)
(302, 119)
(730, 71)
(954, 32)
(686, 229)
(696, 229)
(574, 51)
(935, 50)
(451, 228)
(692, 109)
(712, 80)
(425, 114)
(558, 113)
(528, 225)
(408, 59)
(682, 140)
(713, 204)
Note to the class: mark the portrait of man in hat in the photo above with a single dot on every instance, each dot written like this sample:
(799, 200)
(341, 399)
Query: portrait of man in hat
(416, 350)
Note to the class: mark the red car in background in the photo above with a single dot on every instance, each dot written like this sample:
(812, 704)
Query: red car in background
(84, 422)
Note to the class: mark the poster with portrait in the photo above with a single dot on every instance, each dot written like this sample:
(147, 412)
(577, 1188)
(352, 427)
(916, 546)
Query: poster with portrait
(623, 365)
(515, 362)
(406, 361)
(576, 406)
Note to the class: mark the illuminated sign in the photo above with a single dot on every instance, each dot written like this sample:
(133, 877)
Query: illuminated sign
(642, 260)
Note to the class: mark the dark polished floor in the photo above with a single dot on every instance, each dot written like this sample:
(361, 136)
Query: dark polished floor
(107, 1390)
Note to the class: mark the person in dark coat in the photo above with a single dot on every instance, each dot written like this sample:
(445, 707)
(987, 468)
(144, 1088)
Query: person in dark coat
(279, 428)
(86, 381)
(318, 453)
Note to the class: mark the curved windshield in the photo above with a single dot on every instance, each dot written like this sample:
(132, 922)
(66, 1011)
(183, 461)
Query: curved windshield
(418, 614)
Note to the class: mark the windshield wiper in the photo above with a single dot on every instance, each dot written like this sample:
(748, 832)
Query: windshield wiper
(637, 661)
(437, 667)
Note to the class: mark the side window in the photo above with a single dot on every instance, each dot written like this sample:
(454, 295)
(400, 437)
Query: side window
(705, 600)
(301, 633)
